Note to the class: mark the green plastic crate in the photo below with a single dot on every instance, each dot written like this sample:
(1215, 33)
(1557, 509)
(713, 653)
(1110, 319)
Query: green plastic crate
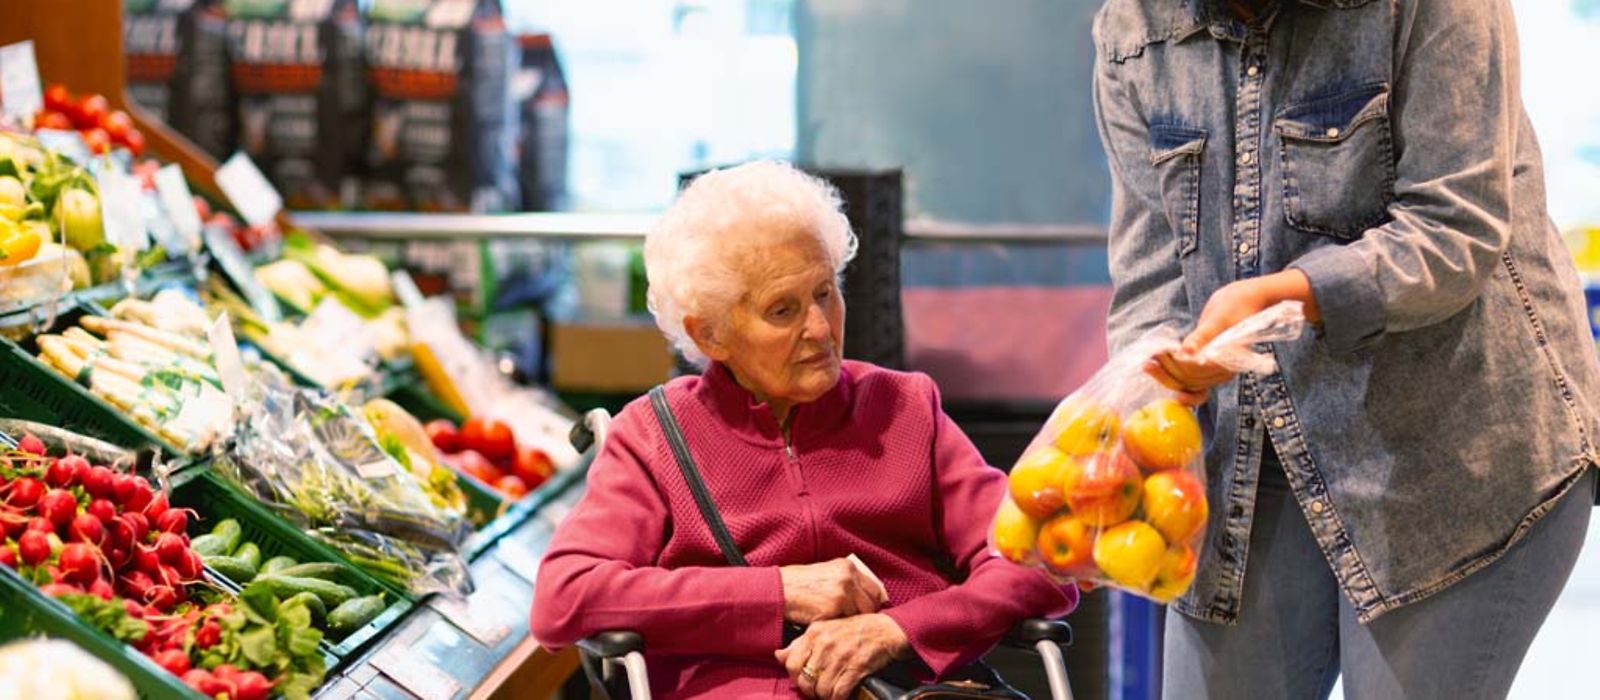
(37, 392)
(25, 612)
(210, 495)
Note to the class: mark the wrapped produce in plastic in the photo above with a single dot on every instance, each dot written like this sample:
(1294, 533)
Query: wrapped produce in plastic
(317, 463)
(1112, 490)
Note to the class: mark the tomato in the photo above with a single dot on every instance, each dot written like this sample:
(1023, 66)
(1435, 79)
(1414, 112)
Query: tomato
(511, 486)
(491, 437)
(50, 119)
(135, 142)
(117, 124)
(57, 98)
(444, 435)
(532, 466)
(98, 140)
(91, 110)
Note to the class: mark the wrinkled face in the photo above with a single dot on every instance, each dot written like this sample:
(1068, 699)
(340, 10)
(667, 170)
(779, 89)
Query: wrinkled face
(783, 338)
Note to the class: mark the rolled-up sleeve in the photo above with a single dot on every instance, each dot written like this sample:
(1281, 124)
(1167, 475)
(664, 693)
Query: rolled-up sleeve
(955, 626)
(1455, 110)
(600, 574)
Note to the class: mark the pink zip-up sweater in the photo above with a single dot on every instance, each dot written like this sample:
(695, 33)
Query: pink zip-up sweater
(874, 467)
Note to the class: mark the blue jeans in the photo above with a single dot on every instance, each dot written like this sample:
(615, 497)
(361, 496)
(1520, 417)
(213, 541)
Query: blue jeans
(1296, 633)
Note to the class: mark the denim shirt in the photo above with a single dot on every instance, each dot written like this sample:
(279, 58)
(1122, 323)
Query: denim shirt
(1448, 398)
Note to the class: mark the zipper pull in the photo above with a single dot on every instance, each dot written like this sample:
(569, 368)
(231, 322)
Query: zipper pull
(789, 449)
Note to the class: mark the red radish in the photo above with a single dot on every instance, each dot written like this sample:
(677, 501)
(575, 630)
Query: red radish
(33, 547)
(31, 445)
(13, 524)
(8, 556)
(141, 497)
(136, 584)
(25, 493)
(100, 482)
(209, 635)
(157, 508)
(41, 525)
(87, 528)
(175, 521)
(60, 472)
(252, 686)
(216, 686)
(56, 590)
(59, 506)
(120, 534)
(118, 557)
(196, 678)
(139, 525)
(79, 563)
(102, 590)
(170, 548)
(145, 560)
(102, 509)
(190, 566)
(174, 660)
(132, 607)
(161, 597)
(168, 576)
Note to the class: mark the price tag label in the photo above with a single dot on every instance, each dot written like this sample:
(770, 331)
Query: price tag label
(179, 203)
(231, 259)
(376, 469)
(471, 618)
(20, 93)
(255, 198)
(225, 354)
(67, 143)
(414, 673)
(119, 207)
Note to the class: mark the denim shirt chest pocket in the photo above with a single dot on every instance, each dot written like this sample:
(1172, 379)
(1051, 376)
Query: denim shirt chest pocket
(1336, 157)
(1175, 154)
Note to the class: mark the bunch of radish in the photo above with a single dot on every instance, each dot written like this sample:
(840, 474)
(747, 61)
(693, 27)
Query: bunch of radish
(73, 526)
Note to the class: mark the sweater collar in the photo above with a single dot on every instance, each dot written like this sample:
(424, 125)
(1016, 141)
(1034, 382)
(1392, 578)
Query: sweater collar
(750, 418)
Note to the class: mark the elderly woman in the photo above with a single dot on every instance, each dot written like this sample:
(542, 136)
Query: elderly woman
(809, 458)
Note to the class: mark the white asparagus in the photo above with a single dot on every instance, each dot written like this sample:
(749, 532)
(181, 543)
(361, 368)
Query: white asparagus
(171, 341)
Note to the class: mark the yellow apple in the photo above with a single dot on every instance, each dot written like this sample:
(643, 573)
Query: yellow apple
(1014, 533)
(1066, 545)
(1164, 434)
(1178, 566)
(1085, 426)
(1103, 488)
(1130, 554)
(1175, 503)
(1036, 480)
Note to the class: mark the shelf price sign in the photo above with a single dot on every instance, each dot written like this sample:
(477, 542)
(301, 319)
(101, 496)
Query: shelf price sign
(20, 93)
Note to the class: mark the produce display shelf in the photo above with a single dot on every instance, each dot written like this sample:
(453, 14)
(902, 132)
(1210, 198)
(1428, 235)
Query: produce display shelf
(37, 392)
(520, 511)
(208, 493)
(25, 612)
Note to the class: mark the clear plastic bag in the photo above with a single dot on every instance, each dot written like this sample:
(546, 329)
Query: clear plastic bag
(1112, 489)
(318, 464)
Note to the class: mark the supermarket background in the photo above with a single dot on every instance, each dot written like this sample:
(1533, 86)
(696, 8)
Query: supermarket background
(980, 109)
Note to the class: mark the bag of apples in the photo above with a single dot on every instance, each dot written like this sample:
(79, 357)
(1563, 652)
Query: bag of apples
(1111, 491)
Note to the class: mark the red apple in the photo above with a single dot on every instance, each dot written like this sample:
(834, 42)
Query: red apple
(1103, 489)
(1035, 481)
(1066, 544)
(1175, 504)
(1177, 571)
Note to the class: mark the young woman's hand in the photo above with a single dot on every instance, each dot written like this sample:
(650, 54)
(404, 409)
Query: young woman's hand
(1233, 303)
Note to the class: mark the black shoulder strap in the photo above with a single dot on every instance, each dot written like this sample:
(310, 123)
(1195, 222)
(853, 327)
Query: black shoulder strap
(691, 474)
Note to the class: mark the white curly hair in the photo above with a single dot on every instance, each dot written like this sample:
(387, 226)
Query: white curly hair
(685, 251)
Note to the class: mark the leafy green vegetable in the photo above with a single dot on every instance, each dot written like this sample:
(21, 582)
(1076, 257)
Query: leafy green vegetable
(107, 615)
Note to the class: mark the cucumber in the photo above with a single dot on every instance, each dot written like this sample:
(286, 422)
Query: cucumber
(239, 570)
(355, 613)
(209, 546)
(277, 563)
(249, 553)
(325, 570)
(332, 594)
(319, 612)
(230, 532)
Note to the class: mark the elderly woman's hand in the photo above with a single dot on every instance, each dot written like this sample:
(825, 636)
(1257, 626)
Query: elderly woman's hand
(834, 656)
(826, 591)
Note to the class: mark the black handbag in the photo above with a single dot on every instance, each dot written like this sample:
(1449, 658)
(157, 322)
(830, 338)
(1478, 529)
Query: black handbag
(895, 682)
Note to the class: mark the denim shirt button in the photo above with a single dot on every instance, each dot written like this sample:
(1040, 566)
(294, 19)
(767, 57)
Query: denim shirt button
(1252, 71)
(1245, 158)
(1278, 422)
(1317, 507)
